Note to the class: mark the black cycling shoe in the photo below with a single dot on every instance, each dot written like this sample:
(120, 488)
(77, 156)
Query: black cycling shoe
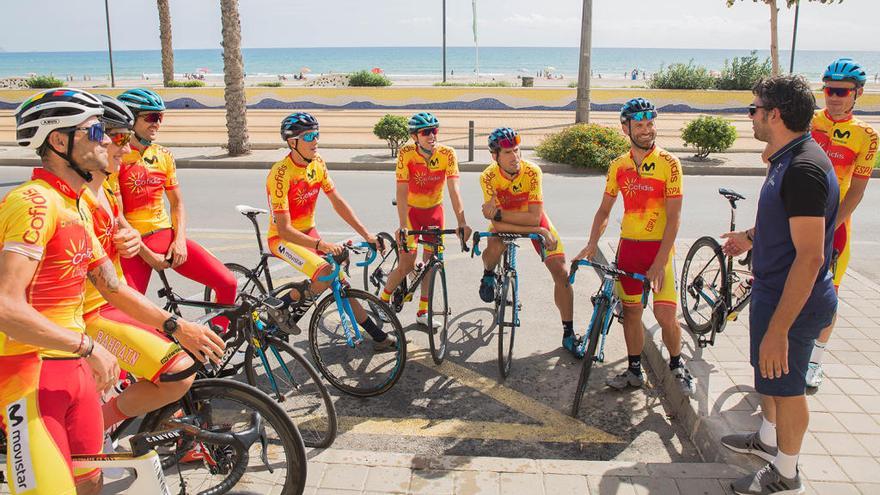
(487, 288)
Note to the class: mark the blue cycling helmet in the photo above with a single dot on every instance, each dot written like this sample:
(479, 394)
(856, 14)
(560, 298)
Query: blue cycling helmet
(636, 106)
(503, 137)
(296, 123)
(845, 69)
(422, 120)
(142, 100)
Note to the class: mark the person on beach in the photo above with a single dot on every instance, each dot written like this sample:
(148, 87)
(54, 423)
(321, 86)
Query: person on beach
(851, 144)
(146, 175)
(793, 296)
(423, 168)
(514, 202)
(650, 180)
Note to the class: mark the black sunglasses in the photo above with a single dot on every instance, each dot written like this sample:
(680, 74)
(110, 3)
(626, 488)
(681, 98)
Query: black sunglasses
(753, 109)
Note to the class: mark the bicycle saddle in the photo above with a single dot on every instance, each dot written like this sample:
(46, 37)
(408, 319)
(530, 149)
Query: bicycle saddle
(730, 194)
(249, 210)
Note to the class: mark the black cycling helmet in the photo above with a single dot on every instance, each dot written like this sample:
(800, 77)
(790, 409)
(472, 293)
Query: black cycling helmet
(116, 114)
(296, 123)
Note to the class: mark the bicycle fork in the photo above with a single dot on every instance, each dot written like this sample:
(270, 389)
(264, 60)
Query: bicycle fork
(353, 335)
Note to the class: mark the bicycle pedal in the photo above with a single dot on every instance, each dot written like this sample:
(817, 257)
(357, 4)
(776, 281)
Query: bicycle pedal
(733, 316)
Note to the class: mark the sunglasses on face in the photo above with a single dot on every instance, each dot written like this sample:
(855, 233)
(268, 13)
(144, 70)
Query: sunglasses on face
(120, 139)
(753, 109)
(310, 136)
(842, 92)
(510, 143)
(646, 115)
(96, 131)
(428, 132)
(153, 117)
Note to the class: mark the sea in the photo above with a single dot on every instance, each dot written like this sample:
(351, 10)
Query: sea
(415, 62)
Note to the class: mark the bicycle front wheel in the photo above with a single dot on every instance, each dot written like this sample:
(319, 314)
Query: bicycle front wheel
(703, 279)
(438, 313)
(356, 366)
(376, 273)
(286, 376)
(600, 314)
(506, 319)
(276, 459)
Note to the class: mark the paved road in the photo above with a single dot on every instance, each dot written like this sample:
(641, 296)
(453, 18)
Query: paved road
(461, 408)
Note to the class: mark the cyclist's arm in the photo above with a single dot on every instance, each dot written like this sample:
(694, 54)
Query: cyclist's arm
(516, 229)
(344, 210)
(402, 202)
(673, 222)
(600, 220)
(19, 319)
(454, 186)
(290, 234)
(124, 298)
(852, 199)
(178, 215)
(531, 218)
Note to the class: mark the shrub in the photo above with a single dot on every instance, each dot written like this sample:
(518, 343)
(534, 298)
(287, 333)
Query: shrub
(270, 84)
(44, 82)
(682, 76)
(743, 72)
(484, 84)
(394, 130)
(709, 135)
(367, 78)
(584, 145)
(185, 84)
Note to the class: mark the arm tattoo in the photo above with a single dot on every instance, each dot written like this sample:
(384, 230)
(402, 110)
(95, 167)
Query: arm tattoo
(104, 278)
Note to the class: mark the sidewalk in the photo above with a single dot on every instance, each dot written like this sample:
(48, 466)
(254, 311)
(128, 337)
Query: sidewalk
(841, 448)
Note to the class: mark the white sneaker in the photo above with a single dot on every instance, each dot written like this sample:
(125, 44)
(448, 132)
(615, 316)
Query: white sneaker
(422, 319)
(814, 375)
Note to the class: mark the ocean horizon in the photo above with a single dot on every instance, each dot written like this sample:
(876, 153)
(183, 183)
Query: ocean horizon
(408, 61)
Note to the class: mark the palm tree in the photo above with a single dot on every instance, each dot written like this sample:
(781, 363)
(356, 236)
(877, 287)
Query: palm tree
(165, 37)
(233, 77)
(774, 29)
(582, 112)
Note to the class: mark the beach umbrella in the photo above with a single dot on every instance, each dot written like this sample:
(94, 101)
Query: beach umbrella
(304, 70)
(203, 70)
(377, 70)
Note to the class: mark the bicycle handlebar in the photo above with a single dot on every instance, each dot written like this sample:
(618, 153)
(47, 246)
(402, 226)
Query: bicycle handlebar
(336, 262)
(459, 232)
(510, 236)
(617, 272)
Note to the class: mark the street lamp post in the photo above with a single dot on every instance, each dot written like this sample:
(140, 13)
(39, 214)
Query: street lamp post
(109, 43)
(444, 40)
(797, 9)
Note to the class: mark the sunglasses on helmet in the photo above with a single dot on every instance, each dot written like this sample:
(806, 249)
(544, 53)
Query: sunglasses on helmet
(428, 132)
(96, 131)
(153, 117)
(841, 92)
(310, 136)
(120, 139)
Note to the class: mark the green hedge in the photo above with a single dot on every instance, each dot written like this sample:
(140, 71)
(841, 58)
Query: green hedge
(682, 76)
(367, 78)
(270, 84)
(584, 145)
(185, 84)
(44, 82)
(709, 135)
(743, 72)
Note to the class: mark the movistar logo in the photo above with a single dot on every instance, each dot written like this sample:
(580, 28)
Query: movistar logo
(648, 167)
(842, 134)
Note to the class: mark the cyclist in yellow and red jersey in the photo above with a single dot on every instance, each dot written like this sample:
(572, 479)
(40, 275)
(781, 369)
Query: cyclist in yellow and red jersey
(514, 202)
(143, 350)
(423, 168)
(292, 188)
(146, 175)
(851, 144)
(650, 180)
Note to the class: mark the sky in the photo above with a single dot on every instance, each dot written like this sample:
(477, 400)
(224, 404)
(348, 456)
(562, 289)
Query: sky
(64, 25)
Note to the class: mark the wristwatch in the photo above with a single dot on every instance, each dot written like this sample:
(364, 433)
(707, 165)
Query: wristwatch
(497, 216)
(170, 326)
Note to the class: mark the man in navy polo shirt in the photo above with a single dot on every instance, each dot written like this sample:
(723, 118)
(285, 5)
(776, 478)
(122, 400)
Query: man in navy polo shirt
(793, 295)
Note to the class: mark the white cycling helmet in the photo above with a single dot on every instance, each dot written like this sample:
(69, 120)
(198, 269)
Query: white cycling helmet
(60, 108)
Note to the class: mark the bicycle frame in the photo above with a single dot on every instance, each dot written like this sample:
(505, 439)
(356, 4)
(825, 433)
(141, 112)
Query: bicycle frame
(262, 268)
(436, 258)
(350, 325)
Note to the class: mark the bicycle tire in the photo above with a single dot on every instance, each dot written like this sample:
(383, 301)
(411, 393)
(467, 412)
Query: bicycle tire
(693, 283)
(252, 284)
(335, 357)
(505, 308)
(307, 403)
(438, 309)
(208, 395)
(376, 273)
(600, 312)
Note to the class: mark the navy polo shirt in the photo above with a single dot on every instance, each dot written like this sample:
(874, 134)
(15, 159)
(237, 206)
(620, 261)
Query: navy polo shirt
(800, 182)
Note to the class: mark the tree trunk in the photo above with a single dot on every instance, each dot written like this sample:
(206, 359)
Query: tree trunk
(233, 77)
(582, 112)
(774, 37)
(165, 37)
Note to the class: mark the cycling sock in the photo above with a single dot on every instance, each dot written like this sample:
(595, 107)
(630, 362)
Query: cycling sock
(423, 306)
(818, 352)
(373, 330)
(112, 414)
(786, 464)
(635, 364)
(674, 361)
(385, 296)
(567, 329)
(767, 433)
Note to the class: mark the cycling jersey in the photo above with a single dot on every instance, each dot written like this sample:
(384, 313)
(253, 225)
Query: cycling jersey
(41, 219)
(517, 193)
(294, 189)
(426, 178)
(141, 181)
(105, 227)
(850, 144)
(645, 188)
